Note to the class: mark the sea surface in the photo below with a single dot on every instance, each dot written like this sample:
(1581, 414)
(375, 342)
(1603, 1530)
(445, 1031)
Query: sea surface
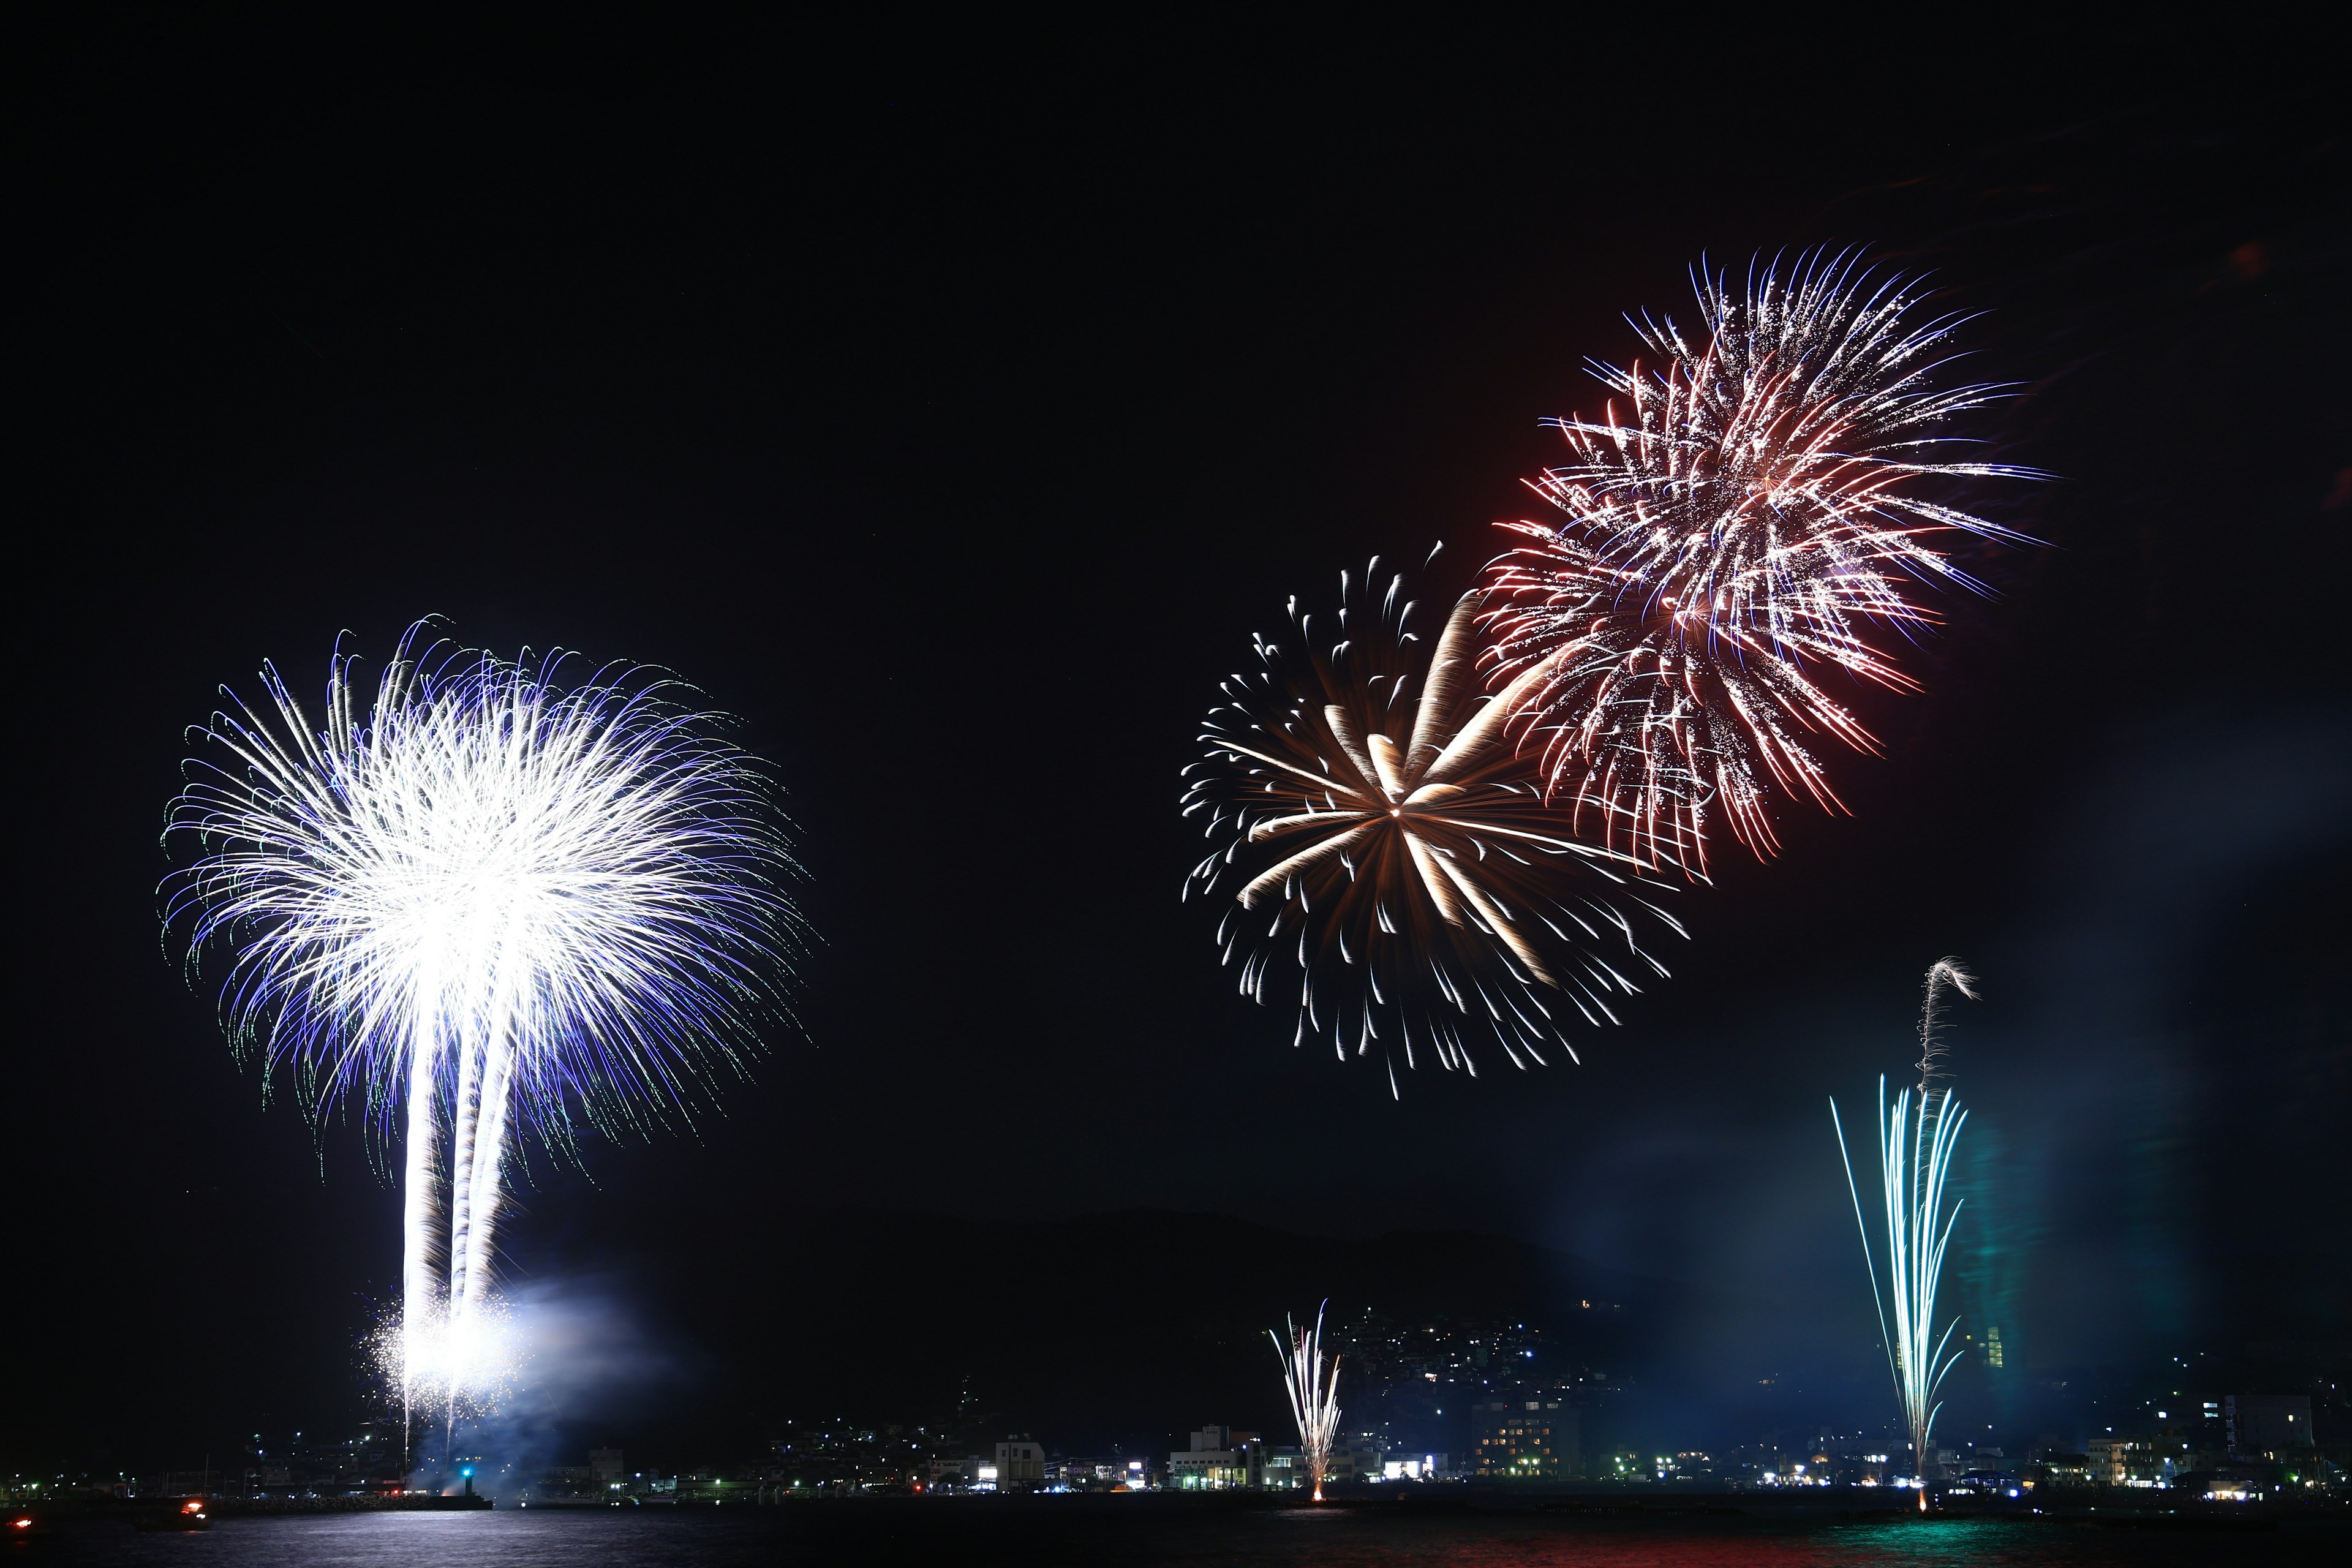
(1116, 1530)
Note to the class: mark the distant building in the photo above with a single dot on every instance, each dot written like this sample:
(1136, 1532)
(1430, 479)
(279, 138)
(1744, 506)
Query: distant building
(605, 1464)
(2265, 1422)
(1220, 1459)
(2110, 1460)
(1282, 1469)
(1356, 1459)
(1020, 1465)
(956, 1472)
(2059, 1469)
(2147, 1462)
(1525, 1437)
(2200, 1421)
(561, 1483)
(1099, 1474)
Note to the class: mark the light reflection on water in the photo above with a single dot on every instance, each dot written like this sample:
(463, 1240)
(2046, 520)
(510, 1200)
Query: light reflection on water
(1148, 1532)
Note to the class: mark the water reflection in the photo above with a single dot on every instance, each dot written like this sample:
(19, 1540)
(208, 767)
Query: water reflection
(1168, 1532)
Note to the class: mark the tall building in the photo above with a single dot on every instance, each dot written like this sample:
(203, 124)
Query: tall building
(2264, 1422)
(1525, 1436)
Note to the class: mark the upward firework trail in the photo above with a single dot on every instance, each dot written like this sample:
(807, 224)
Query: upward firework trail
(1314, 1395)
(488, 903)
(1755, 510)
(1914, 1154)
(1389, 841)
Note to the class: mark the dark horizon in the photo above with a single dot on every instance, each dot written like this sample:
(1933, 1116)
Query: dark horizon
(956, 435)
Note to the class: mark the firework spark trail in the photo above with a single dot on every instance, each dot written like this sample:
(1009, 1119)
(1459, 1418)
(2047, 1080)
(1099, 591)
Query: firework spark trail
(1389, 840)
(1914, 1154)
(496, 903)
(1759, 502)
(1945, 973)
(1314, 1394)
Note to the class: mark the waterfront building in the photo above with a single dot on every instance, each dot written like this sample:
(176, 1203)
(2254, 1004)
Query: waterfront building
(1525, 1436)
(1020, 1465)
(1281, 1470)
(1220, 1459)
(952, 1473)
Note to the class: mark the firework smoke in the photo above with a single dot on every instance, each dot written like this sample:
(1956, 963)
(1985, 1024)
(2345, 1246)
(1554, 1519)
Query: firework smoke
(1760, 510)
(1389, 841)
(1915, 1155)
(491, 904)
(1314, 1394)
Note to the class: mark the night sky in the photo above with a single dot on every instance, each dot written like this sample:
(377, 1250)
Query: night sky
(953, 409)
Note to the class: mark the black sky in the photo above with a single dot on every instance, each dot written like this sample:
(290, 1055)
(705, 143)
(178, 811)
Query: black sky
(952, 408)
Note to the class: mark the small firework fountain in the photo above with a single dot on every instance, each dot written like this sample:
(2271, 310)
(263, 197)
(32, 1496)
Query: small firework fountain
(1914, 1156)
(490, 902)
(1314, 1394)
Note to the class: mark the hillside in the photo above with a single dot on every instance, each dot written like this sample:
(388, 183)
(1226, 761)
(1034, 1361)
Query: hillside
(1119, 1328)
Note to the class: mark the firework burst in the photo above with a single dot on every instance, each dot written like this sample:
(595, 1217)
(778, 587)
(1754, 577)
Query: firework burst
(1381, 834)
(487, 902)
(1757, 511)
